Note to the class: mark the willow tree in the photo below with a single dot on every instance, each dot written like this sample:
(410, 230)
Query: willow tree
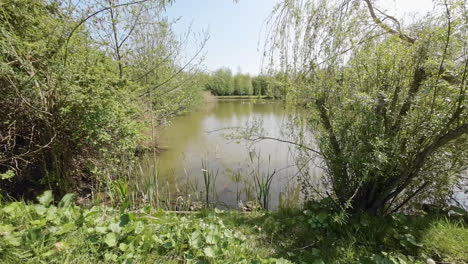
(387, 101)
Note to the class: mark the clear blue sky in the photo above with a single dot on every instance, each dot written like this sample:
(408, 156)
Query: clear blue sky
(235, 27)
(234, 30)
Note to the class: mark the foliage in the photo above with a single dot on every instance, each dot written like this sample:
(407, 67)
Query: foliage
(75, 111)
(223, 83)
(387, 101)
(68, 234)
(446, 240)
(318, 235)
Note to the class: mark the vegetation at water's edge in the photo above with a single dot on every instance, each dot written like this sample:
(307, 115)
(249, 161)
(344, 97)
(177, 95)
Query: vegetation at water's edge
(223, 83)
(66, 233)
(243, 97)
(83, 87)
(80, 95)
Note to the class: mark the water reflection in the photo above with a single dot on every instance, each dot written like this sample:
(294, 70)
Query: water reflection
(189, 144)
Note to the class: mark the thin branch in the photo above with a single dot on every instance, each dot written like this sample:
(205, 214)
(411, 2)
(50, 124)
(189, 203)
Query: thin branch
(410, 197)
(387, 27)
(444, 55)
(177, 73)
(90, 16)
(288, 142)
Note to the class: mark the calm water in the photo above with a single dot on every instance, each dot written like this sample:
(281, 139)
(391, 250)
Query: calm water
(200, 137)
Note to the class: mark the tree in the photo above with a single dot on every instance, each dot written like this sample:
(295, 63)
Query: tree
(221, 82)
(237, 85)
(73, 107)
(245, 85)
(388, 101)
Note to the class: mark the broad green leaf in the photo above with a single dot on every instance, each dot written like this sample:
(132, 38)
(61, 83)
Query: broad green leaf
(46, 198)
(66, 228)
(168, 244)
(66, 201)
(211, 239)
(111, 239)
(13, 240)
(195, 240)
(209, 252)
(124, 219)
(101, 229)
(139, 227)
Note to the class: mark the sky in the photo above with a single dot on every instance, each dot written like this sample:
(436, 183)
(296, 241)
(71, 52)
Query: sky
(235, 28)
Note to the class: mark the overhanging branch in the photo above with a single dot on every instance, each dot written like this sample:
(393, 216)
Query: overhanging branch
(386, 27)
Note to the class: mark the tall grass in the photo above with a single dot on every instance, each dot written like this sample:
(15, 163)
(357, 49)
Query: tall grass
(262, 180)
(209, 180)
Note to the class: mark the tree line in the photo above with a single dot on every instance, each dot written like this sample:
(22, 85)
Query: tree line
(223, 82)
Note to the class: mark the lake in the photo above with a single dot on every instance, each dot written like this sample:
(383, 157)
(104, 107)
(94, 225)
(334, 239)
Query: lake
(199, 142)
(199, 138)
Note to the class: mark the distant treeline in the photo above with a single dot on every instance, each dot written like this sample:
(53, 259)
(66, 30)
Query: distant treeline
(223, 82)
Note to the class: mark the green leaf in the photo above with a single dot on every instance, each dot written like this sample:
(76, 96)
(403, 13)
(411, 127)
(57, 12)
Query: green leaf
(139, 227)
(168, 244)
(111, 239)
(13, 240)
(124, 220)
(6, 229)
(7, 175)
(194, 239)
(66, 201)
(209, 252)
(46, 198)
(66, 228)
(101, 229)
(211, 239)
(40, 209)
(410, 238)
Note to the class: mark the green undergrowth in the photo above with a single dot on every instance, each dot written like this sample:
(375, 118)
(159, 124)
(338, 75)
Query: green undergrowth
(66, 233)
(243, 97)
(63, 232)
(317, 235)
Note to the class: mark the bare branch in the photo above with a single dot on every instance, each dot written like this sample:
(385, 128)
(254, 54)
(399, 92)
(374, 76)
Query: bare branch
(387, 27)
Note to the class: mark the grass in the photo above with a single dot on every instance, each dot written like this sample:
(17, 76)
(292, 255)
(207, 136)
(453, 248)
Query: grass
(66, 233)
(243, 97)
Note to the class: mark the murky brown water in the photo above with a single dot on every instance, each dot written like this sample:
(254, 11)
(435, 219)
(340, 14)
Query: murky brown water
(199, 137)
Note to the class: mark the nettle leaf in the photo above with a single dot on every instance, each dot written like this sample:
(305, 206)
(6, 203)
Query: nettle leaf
(13, 240)
(6, 229)
(66, 201)
(139, 227)
(211, 239)
(101, 229)
(40, 209)
(46, 198)
(13, 209)
(195, 240)
(123, 247)
(115, 227)
(209, 252)
(111, 239)
(39, 223)
(66, 228)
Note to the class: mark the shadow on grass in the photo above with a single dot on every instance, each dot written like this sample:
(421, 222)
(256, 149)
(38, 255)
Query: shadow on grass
(317, 236)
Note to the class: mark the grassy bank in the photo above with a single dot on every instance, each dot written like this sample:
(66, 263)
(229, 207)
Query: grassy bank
(66, 233)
